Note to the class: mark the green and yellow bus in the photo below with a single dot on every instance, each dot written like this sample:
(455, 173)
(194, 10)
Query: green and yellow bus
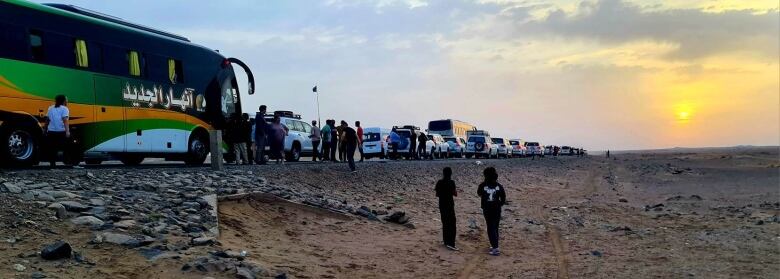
(134, 92)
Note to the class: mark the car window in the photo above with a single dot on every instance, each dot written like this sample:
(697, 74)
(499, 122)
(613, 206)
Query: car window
(477, 139)
(306, 127)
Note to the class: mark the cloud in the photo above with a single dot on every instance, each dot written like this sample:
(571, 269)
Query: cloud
(697, 33)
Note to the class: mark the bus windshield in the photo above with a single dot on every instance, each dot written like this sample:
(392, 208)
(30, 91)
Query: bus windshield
(440, 125)
(229, 96)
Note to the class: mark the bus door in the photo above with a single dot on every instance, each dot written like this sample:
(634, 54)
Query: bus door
(109, 132)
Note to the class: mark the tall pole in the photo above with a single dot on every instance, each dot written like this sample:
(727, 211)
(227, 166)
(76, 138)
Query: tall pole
(319, 120)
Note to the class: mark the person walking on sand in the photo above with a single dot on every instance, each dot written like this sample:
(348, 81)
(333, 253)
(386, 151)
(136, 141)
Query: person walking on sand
(360, 139)
(260, 136)
(492, 198)
(57, 129)
(350, 141)
(446, 191)
(276, 137)
(315, 140)
(325, 155)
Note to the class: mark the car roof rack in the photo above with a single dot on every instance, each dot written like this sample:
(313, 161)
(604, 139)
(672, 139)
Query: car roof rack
(284, 113)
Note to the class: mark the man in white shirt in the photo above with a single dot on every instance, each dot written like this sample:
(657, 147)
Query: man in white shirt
(57, 128)
(316, 137)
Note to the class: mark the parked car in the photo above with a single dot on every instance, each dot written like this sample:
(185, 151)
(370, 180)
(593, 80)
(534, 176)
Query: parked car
(297, 143)
(518, 147)
(503, 146)
(405, 132)
(565, 150)
(548, 149)
(375, 142)
(480, 144)
(437, 146)
(457, 146)
(534, 149)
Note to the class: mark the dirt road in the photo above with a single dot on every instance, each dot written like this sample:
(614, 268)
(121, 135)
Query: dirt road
(709, 214)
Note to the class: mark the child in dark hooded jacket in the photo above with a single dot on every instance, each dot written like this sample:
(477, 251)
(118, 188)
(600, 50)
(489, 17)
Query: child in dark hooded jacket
(493, 197)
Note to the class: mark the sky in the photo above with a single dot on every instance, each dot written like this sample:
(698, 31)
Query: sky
(601, 74)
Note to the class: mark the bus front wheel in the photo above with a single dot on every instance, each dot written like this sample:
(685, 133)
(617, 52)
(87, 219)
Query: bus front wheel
(198, 149)
(20, 146)
(130, 159)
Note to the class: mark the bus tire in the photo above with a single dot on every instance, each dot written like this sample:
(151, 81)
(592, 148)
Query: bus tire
(295, 153)
(198, 149)
(93, 161)
(20, 146)
(130, 159)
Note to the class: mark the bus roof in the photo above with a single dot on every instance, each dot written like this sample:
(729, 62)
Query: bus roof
(97, 18)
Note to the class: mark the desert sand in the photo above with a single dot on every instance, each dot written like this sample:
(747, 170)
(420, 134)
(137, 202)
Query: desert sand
(711, 213)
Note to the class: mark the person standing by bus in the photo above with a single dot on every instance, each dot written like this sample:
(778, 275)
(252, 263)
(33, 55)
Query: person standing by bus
(342, 142)
(350, 144)
(237, 137)
(260, 135)
(315, 140)
(325, 156)
(359, 139)
(276, 137)
(251, 136)
(334, 140)
(57, 129)
(413, 145)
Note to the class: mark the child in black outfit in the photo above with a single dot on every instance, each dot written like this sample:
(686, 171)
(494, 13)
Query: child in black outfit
(445, 190)
(493, 197)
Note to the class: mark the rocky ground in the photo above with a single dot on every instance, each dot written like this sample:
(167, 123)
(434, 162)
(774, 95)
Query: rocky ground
(708, 214)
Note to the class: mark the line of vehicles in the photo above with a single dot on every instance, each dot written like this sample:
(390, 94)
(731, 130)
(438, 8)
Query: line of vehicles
(445, 138)
(136, 92)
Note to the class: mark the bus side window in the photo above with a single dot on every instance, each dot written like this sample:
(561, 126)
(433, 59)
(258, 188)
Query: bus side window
(13, 42)
(59, 50)
(135, 63)
(37, 51)
(114, 60)
(175, 71)
(82, 55)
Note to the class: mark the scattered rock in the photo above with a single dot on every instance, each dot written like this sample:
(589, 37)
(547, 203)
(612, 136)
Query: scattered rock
(623, 200)
(97, 202)
(243, 273)
(200, 241)
(87, 221)
(19, 267)
(74, 206)
(59, 210)
(118, 239)
(125, 224)
(596, 253)
(38, 275)
(398, 217)
(11, 188)
(57, 250)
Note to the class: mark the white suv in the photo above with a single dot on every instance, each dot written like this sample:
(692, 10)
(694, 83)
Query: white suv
(437, 147)
(297, 143)
(457, 146)
(503, 146)
(534, 148)
(480, 145)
